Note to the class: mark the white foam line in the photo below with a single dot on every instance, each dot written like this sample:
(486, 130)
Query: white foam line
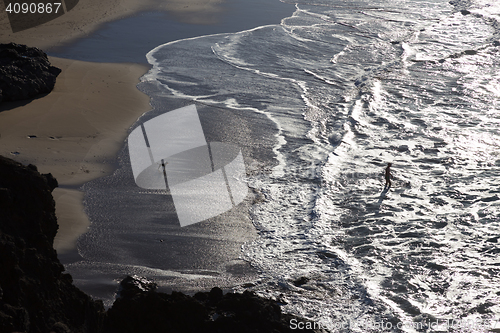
(150, 54)
(319, 77)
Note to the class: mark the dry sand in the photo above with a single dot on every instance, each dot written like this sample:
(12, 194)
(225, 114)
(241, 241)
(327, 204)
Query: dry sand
(75, 132)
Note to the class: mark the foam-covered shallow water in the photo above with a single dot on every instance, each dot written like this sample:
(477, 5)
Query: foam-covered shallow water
(344, 88)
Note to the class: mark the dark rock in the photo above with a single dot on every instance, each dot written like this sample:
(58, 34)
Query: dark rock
(5, 198)
(25, 72)
(131, 286)
(201, 296)
(37, 296)
(207, 312)
(51, 181)
(215, 294)
(32, 167)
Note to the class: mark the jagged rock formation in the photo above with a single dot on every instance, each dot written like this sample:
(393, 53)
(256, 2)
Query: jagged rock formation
(141, 309)
(24, 72)
(37, 297)
(35, 294)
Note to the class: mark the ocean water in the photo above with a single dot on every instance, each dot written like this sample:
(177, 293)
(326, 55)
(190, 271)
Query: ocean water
(320, 104)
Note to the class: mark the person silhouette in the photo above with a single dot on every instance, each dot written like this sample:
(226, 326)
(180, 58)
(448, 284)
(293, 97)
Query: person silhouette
(388, 176)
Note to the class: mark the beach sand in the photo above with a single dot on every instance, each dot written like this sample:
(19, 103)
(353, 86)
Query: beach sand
(74, 132)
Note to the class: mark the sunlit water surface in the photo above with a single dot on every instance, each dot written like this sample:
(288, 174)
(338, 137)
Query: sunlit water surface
(352, 85)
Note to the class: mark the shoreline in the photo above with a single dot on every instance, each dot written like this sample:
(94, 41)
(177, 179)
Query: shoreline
(75, 132)
(80, 129)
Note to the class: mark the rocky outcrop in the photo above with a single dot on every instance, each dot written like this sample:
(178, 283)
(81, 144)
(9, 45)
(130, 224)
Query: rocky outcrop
(35, 294)
(25, 72)
(141, 309)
